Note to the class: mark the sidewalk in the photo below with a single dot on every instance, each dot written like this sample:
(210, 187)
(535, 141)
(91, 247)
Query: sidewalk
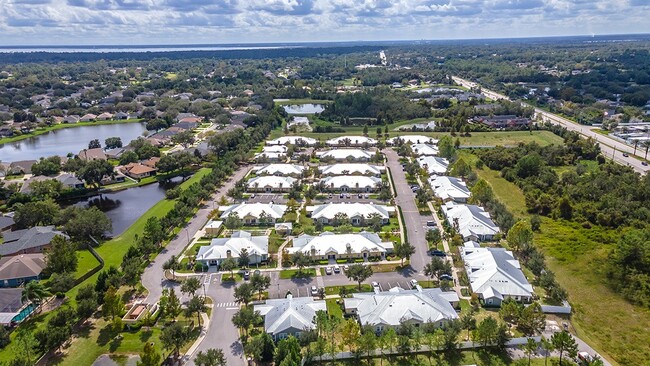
(204, 332)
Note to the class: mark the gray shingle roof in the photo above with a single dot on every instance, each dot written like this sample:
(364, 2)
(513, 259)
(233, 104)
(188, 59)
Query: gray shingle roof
(17, 241)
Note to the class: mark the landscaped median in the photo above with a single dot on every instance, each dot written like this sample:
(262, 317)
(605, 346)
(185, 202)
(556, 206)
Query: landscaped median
(288, 274)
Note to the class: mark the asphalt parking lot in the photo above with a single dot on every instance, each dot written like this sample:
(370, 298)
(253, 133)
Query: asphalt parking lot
(354, 198)
(266, 198)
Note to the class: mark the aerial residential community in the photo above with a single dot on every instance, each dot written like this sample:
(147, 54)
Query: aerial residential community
(480, 202)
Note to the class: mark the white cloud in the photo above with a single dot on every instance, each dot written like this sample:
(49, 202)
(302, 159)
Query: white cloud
(209, 21)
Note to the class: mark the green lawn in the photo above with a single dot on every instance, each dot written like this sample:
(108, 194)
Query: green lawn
(503, 138)
(98, 339)
(506, 191)
(334, 309)
(236, 277)
(602, 318)
(86, 262)
(293, 273)
(44, 130)
(112, 252)
(334, 290)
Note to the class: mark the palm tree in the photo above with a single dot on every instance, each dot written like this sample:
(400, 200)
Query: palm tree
(34, 292)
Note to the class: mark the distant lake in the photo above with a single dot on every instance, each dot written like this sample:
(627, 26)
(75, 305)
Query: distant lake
(304, 108)
(67, 140)
(126, 206)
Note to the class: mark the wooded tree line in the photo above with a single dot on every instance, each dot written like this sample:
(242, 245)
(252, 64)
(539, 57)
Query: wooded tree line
(379, 103)
(592, 193)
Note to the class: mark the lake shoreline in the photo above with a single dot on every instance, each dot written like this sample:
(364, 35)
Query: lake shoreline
(61, 126)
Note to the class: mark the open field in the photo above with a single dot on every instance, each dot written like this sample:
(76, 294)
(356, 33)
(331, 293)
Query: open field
(611, 325)
(44, 130)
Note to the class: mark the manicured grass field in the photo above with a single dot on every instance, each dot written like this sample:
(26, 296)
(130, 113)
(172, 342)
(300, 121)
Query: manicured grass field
(86, 262)
(334, 309)
(44, 130)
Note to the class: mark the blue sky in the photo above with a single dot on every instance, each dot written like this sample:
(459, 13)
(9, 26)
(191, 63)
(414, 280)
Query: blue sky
(61, 22)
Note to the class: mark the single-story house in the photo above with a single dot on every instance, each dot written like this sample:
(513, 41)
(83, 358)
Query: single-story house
(104, 116)
(71, 119)
(353, 183)
(338, 246)
(291, 170)
(471, 221)
(357, 213)
(32, 240)
(424, 149)
(495, 275)
(21, 167)
(120, 116)
(138, 170)
(11, 305)
(352, 169)
(18, 269)
(351, 141)
(270, 156)
(433, 165)
(411, 139)
(181, 116)
(151, 162)
(290, 316)
(6, 223)
(117, 177)
(92, 154)
(293, 140)
(391, 309)
(345, 155)
(449, 188)
(70, 181)
(213, 227)
(114, 153)
(87, 117)
(270, 183)
(250, 213)
(222, 248)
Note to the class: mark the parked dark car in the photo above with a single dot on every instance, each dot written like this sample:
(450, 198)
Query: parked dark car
(437, 253)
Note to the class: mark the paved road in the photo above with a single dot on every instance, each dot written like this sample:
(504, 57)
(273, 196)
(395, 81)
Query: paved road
(611, 149)
(221, 333)
(415, 223)
(153, 276)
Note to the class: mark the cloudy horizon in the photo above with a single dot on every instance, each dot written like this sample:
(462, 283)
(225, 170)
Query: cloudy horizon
(161, 22)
